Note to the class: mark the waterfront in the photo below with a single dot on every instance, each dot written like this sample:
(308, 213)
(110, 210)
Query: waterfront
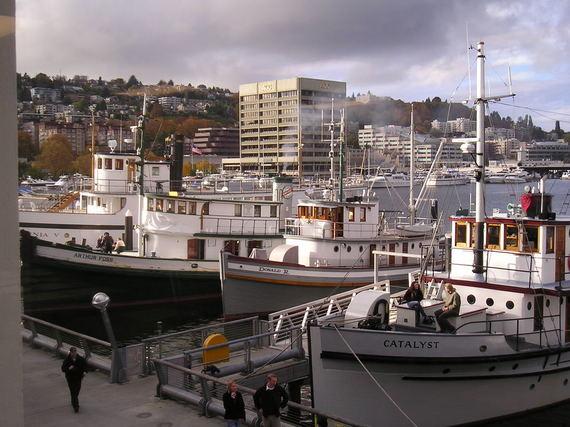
(64, 297)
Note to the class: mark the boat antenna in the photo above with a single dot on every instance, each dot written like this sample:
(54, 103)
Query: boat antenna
(412, 207)
(341, 157)
(331, 152)
(468, 58)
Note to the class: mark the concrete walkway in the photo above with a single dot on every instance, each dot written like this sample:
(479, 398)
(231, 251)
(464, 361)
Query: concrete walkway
(47, 401)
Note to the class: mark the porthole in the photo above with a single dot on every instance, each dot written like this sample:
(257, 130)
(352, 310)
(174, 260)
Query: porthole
(565, 382)
(446, 371)
(483, 348)
(490, 302)
(349, 248)
(531, 387)
(510, 305)
(547, 303)
(335, 249)
(515, 366)
(360, 248)
(491, 369)
(529, 306)
(194, 265)
(471, 299)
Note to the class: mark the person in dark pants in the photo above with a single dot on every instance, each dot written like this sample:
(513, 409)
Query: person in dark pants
(451, 306)
(412, 298)
(107, 243)
(74, 367)
(233, 405)
(270, 399)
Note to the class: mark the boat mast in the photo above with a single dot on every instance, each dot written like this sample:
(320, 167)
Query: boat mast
(331, 152)
(480, 162)
(412, 206)
(341, 157)
(140, 126)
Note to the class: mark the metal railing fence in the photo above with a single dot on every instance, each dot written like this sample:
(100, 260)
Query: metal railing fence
(206, 391)
(175, 343)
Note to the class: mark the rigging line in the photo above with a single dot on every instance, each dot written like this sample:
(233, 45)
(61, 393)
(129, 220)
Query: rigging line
(532, 109)
(374, 379)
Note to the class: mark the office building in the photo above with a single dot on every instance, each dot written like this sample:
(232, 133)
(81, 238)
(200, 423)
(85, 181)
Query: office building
(280, 129)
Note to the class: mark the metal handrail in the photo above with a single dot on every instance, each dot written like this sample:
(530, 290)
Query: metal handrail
(488, 327)
(65, 330)
(163, 380)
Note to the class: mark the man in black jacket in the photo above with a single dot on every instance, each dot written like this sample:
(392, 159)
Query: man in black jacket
(270, 399)
(74, 367)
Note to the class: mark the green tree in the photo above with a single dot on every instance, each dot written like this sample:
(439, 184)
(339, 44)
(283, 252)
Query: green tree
(101, 106)
(133, 82)
(82, 164)
(42, 80)
(55, 156)
(170, 82)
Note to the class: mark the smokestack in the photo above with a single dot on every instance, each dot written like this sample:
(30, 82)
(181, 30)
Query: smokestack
(176, 162)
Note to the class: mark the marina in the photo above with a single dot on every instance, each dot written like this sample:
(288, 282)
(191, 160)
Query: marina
(285, 215)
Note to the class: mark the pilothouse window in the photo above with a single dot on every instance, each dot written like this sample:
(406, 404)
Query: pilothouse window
(511, 238)
(461, 234)
(493, 236)
(530, 239)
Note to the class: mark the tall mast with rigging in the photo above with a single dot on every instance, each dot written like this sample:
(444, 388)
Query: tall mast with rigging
(480, 163)
(412, 206)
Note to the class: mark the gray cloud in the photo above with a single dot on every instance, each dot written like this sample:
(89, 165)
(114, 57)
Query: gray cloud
(404, 49)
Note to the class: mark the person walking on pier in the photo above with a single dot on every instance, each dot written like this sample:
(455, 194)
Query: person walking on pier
(74, 367)
(233, 405)
(270, 399)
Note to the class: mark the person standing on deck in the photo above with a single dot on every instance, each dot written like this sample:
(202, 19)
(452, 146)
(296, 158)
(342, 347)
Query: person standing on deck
(270, 399)
(451, 306)
(74, 367)
(107, 243)
(233, 405)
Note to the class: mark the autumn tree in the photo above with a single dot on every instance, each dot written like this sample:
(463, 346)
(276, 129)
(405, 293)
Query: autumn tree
(83, 164)
(189, 126)
(55, 155)
(26, 147)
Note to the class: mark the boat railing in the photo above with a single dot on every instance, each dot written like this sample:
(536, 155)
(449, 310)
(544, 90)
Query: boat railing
(240, 226)
(530, 270)
(300, 315)
(165, 345)
(520, 338)
(325, 229)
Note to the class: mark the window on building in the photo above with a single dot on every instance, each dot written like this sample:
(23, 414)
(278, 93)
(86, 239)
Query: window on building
(108, 163)
(192, 208)
(206, 208)
(511, 238)
(170, 206)
(99, 163)
(550, 240)
(362, 214)
(257, 210)
(530, 238)
(237, 210)
(351, 214)
(493, 236)
(155, 171)
(461, 234)
(273, 211)
(158, 205)
(119, 164)
(182, 208)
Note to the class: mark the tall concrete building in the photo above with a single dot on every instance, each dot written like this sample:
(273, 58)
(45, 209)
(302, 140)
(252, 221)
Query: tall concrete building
(215, 141)
(280, 126)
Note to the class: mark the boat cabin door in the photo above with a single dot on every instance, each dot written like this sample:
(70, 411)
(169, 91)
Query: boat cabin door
(560, 253)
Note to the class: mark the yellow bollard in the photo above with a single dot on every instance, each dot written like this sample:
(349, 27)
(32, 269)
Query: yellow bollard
(216, 355)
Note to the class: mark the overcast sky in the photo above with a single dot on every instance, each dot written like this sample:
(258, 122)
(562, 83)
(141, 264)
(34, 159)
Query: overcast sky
(405, 49)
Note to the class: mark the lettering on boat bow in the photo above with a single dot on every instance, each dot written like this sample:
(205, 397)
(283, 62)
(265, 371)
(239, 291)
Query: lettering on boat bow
(410, 344)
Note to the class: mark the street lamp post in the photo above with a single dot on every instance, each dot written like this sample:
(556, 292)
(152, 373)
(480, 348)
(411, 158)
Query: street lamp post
(100, 301)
